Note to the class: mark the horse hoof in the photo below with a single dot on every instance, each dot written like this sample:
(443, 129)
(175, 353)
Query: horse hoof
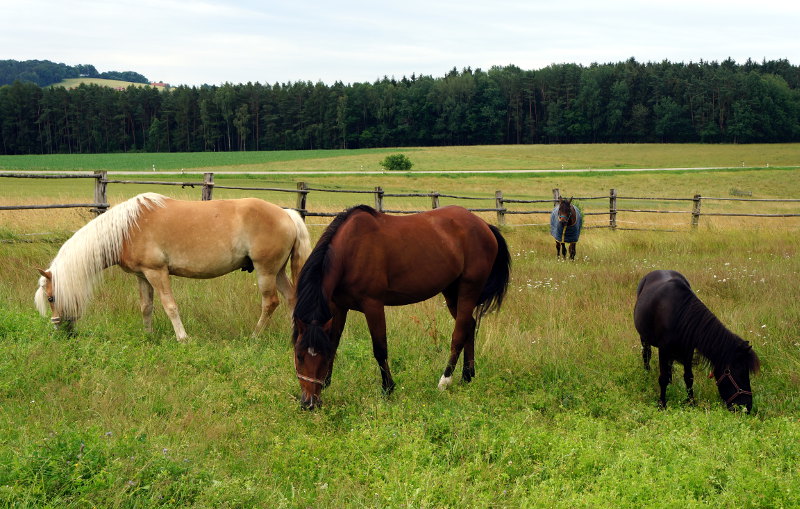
(444, 382)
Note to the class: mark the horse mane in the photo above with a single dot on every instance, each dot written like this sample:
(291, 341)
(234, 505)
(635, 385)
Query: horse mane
(311, 306)
(709, 336)
(78, 265)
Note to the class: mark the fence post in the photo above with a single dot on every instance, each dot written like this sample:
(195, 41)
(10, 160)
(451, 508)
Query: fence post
(501, 210)
(556, 196)
(379, 198)
(100, 197)
(612, 209)
(208, 186)
(696, 211)
(434, 199)
(301, 199)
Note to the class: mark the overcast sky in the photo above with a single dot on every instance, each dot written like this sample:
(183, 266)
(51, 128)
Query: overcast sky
(193, 42)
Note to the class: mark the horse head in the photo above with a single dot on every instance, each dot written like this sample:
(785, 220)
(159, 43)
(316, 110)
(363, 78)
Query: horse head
(565, 211)
(733, 380)
(46, 302)
(313, 359)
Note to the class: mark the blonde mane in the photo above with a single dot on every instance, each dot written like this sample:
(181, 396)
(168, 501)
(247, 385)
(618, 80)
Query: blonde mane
(79, 264)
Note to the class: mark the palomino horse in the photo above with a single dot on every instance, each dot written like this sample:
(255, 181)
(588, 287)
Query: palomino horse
(669, 316)
(366, 260)
(566, 222)
(153, 237)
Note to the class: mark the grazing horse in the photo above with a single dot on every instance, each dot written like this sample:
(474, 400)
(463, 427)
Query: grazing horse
(153, 237)
(366, 260)
(566, 222)
(669, 316)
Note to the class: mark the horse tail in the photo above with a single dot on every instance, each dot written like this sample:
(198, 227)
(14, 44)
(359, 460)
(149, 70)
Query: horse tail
(495, 289)
(302, 245)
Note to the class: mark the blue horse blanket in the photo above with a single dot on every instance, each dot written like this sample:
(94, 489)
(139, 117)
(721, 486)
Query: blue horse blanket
(572, 233)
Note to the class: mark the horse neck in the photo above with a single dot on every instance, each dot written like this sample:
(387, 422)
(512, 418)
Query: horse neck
(708, 334)
(79, 264)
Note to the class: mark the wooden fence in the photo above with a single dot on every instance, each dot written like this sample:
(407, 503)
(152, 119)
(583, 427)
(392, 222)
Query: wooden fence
(500, 202)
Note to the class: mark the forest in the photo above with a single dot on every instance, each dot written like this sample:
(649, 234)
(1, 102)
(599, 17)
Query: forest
(624, 102)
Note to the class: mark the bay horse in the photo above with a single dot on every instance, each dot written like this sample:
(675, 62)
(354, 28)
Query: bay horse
(153, 237)
(669, 316)
(366, 260)
(566, 222)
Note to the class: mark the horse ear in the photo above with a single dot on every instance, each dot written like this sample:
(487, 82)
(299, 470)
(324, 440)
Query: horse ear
(570, 200)
(46, 273)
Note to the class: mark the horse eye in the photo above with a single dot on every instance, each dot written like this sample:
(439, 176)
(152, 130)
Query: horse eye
(51, 299)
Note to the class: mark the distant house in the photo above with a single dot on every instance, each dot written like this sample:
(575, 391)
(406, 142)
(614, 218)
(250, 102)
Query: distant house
(159, 84)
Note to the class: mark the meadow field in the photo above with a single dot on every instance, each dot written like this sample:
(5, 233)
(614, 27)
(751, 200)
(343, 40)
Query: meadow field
(561, 412)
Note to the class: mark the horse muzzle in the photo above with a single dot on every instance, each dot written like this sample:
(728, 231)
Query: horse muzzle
(310, 401)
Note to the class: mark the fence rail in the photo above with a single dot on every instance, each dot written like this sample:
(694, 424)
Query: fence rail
(501, 203)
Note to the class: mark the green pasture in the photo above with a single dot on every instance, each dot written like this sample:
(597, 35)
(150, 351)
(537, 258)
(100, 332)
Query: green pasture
(560, 414)
(502, 157)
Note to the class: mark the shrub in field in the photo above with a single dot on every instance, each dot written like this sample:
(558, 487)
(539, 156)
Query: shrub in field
(396, 162)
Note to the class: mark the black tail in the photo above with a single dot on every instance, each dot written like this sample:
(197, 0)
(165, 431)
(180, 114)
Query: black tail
(495, 290)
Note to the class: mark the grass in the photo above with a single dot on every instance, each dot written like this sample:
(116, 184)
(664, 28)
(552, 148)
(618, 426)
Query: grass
(498, 157)
(561, 413)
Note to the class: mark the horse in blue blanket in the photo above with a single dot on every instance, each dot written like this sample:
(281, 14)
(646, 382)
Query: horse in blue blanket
(566, 222)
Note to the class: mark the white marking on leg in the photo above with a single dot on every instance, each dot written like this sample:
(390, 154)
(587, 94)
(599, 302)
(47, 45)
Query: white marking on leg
(444, 382)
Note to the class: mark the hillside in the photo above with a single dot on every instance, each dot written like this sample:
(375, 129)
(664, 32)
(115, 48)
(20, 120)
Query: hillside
(116, 84)
(45, 72)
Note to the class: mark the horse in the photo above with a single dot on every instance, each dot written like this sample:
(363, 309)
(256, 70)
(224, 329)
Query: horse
(366, 260)
(566, 222)
(153, 236)
(669, 316)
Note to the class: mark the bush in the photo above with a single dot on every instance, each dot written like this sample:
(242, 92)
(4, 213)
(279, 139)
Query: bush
(397, 162)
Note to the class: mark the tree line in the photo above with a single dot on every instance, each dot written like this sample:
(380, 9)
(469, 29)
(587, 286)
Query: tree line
(625, 102)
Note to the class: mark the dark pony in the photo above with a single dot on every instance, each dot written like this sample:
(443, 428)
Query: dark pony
(566, 223)
(669, 316)
(366, 260)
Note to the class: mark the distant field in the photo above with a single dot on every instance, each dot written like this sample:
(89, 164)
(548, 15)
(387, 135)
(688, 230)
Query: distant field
(503, 157)
(778, 181)
(75, 82)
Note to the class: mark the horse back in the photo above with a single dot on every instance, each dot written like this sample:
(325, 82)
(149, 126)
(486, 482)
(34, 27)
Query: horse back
(204, 239)
(406, 259)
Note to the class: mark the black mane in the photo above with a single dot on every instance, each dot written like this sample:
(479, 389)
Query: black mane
(311, 306)
(697, 325)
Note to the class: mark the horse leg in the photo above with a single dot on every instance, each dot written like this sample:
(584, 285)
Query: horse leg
(269, 298)
(337, 326)
(286, 288)
(688, 378)
(159, 279)
(646, 354)
(376, 321)
(146, 303)
(463, 339)
(571, 251)
(468, 369)
(664, 377)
